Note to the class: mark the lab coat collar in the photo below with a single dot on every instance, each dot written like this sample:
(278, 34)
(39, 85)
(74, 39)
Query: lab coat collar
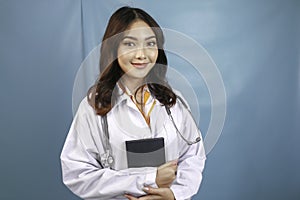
(124, 96)
(121, 95)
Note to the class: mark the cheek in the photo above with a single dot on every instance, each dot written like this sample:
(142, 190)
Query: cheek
(122, 62)
(123, 57)
(153, 54)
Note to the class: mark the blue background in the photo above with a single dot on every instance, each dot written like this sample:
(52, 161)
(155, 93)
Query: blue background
(255, 45)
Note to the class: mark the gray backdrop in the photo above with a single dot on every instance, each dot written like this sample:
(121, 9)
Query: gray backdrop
(255, 45)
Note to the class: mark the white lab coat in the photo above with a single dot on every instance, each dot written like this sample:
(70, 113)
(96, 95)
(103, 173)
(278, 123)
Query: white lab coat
(81, 169)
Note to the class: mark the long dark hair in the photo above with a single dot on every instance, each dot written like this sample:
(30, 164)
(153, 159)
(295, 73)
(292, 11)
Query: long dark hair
(101, 95)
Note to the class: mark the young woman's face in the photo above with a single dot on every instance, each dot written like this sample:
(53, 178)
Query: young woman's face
(137, 51)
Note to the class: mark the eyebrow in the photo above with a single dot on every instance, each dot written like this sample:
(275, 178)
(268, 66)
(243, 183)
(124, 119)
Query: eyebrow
(134, 38)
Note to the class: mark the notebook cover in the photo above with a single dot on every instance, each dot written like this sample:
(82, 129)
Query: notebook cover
(145, 152)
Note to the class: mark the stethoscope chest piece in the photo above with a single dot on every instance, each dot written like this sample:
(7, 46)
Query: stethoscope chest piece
(110, 160)
(107, 160)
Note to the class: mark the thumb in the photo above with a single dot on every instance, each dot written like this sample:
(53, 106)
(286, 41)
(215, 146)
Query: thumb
(153, 191)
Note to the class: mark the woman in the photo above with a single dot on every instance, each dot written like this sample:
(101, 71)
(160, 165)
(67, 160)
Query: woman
(130, 101)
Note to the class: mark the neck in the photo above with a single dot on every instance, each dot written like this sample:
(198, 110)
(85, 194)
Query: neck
(132, 83)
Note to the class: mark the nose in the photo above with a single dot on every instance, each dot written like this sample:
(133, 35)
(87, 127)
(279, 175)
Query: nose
(140, 54)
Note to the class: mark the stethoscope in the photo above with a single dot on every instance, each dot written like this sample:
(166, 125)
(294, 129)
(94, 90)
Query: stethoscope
(107, 160)
(198, 139)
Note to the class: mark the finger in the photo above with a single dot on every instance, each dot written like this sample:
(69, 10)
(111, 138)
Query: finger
(171, 163)
(151, 197)
(173, 168)
(153, 191)
(129, 197)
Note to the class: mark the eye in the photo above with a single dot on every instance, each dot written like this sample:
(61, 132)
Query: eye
(151, 44)
(129, 44)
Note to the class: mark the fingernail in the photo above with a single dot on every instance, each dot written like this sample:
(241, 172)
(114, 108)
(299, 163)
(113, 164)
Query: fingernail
(146, 188)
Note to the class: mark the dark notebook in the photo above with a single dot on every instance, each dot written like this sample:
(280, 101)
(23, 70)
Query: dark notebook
(145, 152)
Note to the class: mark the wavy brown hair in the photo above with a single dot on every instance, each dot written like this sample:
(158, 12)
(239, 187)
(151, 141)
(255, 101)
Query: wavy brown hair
(101, 96)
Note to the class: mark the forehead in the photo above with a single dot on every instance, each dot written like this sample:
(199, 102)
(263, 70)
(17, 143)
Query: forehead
(139, 29)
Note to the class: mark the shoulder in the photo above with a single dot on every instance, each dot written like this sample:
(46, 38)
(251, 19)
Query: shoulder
(181, 101)
(180, 109)
(85, 118)
(85, 108)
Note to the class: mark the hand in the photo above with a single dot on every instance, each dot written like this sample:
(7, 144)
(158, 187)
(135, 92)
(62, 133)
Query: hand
(166, 174)
(154, 194)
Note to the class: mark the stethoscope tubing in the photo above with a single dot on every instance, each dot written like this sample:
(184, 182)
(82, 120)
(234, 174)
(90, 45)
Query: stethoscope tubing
(108, 159)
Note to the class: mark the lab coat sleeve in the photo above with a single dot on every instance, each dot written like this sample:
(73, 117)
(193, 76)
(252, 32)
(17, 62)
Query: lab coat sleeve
(83, 174)
(191, 160)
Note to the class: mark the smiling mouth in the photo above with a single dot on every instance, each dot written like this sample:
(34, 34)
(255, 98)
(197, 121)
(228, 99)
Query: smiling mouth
(140, 65)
